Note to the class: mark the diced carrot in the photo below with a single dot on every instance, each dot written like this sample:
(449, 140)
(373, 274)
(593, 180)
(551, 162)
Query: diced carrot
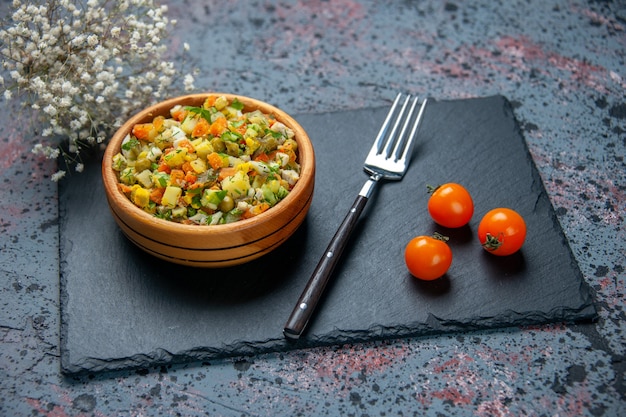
(218, 126)
(157, 194)
(187, 167)
(177, 176)
(179, 114)
(210, 101)
(143, 130)
(158, 122)
(124, 188)
(201, 128)
(191, 177)
(262, 157)
(263, 207)
(226, 172)
(215, 160)
(163, 167)
(186, 144)
(197, 185)
(255, 210)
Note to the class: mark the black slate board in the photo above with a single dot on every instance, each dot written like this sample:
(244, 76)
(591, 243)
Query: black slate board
(122, 308)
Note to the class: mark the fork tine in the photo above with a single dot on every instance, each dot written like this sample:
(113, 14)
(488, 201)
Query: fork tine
(392, 138)
(408, 147)
(401, 142)
(380, 138)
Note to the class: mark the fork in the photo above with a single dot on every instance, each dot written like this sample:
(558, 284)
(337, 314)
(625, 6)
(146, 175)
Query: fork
(388, 159)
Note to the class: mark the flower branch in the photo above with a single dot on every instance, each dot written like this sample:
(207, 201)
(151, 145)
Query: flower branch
(83, 66)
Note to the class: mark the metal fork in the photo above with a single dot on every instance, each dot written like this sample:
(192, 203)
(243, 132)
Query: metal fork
(387, 159)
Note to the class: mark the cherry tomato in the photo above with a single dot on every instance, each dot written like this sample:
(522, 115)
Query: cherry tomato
(450, 205)
(502, 231)
(427, 257)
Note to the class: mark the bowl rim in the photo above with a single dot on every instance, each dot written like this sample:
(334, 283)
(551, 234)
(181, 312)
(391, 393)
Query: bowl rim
(306, 159)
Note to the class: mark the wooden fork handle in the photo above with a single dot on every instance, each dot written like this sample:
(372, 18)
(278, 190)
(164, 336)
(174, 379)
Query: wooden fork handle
(314, 289)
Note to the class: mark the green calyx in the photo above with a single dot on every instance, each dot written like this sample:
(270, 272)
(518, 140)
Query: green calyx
(491, 243)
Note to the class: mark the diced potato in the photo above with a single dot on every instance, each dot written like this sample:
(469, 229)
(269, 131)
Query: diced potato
(140, 196)
(199, 166)
(244, 167)
(188, 125)
(282, 158)
(252, 145)
(290, 176)
(144, 178)
(119, 162)
(127, 176)
(251, 132)
(176, 158)
(164, 140)
(171, 196)
(221, 102)
(257, 118)
(178, 133)
(236, 185)
(203, 148)
(154, 153)
(179, 212)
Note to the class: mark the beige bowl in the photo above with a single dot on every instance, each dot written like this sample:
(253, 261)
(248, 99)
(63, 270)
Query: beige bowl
(219, 245)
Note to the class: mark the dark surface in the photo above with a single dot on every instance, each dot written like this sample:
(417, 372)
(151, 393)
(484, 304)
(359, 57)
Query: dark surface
(127, 309)
(560, 62)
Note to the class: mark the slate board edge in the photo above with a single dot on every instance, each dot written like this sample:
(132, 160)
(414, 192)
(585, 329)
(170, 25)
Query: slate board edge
(376, 333)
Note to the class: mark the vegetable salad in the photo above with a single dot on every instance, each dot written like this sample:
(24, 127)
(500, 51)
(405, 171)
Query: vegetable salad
(208, 165)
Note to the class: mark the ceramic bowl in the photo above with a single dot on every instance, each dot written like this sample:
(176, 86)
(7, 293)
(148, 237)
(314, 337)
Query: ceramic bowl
(219, 245)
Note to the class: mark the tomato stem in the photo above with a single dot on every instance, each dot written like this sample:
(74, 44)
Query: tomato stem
(441, 237)
(491, 242)
(432, 189)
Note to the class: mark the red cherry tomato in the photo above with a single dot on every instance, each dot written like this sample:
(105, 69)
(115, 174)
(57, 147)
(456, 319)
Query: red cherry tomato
(502, 231)
(450, 205)
(427, 257)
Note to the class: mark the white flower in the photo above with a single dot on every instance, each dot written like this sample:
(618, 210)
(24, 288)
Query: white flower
(58, 175)
(50, 110)
(189, 80)
(92, 40)
(65, 102)
(78, 41)
(72, 71)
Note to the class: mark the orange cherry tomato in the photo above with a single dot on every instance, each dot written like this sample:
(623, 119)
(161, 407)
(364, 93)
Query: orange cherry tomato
(502, 231)
(451, 205)
(427, 257)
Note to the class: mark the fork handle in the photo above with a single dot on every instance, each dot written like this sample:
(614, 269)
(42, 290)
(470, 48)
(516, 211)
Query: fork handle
(314, 289)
